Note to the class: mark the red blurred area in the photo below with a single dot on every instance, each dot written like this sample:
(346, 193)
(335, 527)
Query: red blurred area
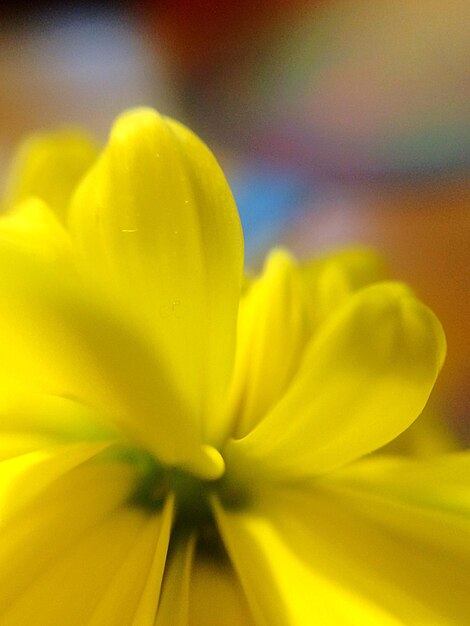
(201, 35)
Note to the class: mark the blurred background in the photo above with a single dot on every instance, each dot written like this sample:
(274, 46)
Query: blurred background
(338, 122)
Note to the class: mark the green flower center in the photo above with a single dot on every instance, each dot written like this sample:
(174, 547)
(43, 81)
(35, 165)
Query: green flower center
(193, 511)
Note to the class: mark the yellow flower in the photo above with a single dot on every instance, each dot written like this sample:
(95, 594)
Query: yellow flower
(180, 450)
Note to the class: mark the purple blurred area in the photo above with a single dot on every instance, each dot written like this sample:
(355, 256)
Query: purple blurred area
(73, 64)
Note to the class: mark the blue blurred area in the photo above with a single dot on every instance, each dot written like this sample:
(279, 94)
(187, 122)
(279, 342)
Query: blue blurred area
(270, 199)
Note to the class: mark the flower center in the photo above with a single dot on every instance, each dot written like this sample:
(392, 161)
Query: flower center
(193, 511)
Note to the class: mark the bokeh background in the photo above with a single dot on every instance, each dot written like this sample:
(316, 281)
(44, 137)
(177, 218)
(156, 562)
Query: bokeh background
(338, 122)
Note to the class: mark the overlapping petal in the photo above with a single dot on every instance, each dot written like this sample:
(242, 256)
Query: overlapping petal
(173, 607)
(133, 596)
(365, 378)
(62, 550)
(284, 588)
(49, 166)
(52, 418)
(331, 279)
(381, 542)
(15, 444)
(215, 591)
(156, 219)
(32, 227)
(427, 438)
(440, 483)
(24, 477)
(58, 338)
(117, 346)
(200, 588)
(273, 328)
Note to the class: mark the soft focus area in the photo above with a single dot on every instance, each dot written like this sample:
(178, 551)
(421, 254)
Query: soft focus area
(338, 122)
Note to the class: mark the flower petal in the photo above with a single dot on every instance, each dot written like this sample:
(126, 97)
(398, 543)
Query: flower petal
(32, 226)
(331, 279)
(284, 588)
(50, 166)
(380, 542)
(365, 378)
(440, 483)
(17, 444)
(58, 338)
(133, 595)
(428, 437)
(215, 591)
(53, 418)
(114, 556)
(75, 552)
(156, 220)
(199, 590)
(24, 478)
(50, 526)
(173, 607)
(272, 332)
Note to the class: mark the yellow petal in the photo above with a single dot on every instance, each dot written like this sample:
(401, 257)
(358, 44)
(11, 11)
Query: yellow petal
(174, 602)
(429, 436)
(365, 378)
(32, 226)
(50, 166)
(214, 592)
(155, 220)
(441, 483)
(404, 531)
(284, 587)
(35, 422)
(24, 478)
(132, 596)
(272, 332)
(47, 533)
(71, 589)
(199, 590)
(380, 542)
(16, 444)
(331, 279)
(58, 338)
(52, 418)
